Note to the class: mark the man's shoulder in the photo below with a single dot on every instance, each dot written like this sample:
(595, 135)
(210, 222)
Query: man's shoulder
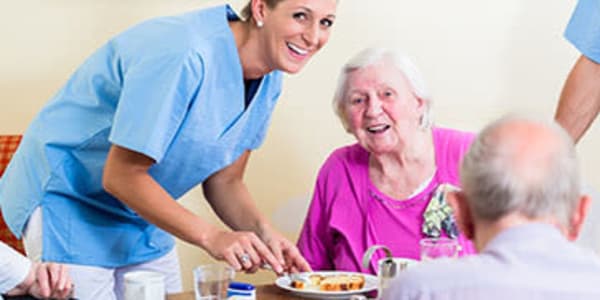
(434, 275)
(501, 271)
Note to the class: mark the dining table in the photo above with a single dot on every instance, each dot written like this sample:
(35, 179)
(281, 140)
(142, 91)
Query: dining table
(265, 291)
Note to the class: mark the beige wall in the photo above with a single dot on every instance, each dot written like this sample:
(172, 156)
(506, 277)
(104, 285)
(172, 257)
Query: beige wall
(480, 58)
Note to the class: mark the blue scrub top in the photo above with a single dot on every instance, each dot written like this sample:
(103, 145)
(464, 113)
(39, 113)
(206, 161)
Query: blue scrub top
(583, 30)
(171, 88)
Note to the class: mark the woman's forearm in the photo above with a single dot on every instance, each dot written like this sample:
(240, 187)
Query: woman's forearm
(234, 205)
(230, 199)
(126, 178)
(579, 102)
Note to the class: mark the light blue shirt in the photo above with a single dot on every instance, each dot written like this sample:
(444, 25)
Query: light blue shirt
(532, 261)
(583, 30)
(171, 88)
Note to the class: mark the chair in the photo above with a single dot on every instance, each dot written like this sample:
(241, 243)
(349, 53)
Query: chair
(8, 145)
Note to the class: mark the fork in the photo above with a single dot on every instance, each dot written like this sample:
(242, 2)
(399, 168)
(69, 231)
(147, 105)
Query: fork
(291, 276)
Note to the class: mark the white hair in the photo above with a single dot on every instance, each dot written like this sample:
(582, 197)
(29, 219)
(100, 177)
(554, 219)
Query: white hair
(498, 182)
(371, 56)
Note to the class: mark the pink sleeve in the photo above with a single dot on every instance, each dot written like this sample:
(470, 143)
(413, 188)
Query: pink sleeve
(451, 146)
(314, 241)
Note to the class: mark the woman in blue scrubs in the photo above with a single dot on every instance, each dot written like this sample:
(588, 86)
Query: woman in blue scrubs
(166, 105)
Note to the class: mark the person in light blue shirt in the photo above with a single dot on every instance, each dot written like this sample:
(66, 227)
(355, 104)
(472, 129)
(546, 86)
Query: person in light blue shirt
(579, 102)
(522, 207)
(166, 105)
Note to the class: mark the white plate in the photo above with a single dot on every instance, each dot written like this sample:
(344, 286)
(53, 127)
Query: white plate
(370, 285)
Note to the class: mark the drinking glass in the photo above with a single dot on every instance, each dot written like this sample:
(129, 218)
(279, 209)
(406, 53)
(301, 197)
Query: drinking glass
(211, 281)
(432, 248)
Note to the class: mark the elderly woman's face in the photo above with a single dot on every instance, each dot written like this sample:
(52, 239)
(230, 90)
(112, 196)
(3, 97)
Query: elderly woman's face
(380, 108)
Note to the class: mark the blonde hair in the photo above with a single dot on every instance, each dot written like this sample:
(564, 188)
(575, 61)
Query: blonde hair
(246, 12)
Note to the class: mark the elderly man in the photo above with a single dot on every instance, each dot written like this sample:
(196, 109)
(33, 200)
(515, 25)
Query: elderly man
(521, 206)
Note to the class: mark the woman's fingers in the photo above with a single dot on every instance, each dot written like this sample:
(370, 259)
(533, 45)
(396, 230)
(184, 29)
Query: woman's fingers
(294, 261)
(288, 254)
(249, 256)
(267, 256)
(244, 251)
(297, 260)
(275, 246)
(232, 260)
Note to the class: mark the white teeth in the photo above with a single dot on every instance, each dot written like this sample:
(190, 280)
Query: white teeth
(378, 128)
(297, 49)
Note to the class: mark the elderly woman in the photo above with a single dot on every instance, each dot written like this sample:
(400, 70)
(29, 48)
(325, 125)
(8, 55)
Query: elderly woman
(385, 189)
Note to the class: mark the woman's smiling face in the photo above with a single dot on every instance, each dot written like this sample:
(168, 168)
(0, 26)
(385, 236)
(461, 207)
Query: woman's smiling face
(381, 110)
(294, 30)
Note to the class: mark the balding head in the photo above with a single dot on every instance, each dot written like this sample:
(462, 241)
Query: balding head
(521, 166)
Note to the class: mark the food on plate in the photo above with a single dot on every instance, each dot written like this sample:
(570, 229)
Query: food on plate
(342, 283)
(333, 283)
(315, 279)
(298, 284)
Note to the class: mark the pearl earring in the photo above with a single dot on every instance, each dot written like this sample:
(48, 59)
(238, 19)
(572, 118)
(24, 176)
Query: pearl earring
(259, 24)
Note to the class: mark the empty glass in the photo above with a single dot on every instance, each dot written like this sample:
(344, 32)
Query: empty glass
(211, 281)
(433, 248)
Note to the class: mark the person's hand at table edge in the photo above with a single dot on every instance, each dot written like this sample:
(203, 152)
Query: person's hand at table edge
(45, 280)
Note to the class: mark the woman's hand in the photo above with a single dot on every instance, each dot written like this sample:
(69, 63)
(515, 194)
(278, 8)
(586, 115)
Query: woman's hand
(46, 280)
(242, 250)
(285, 251)
(230, 199)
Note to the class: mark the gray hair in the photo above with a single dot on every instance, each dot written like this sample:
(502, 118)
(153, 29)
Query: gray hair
(371, 56)
(497, 181)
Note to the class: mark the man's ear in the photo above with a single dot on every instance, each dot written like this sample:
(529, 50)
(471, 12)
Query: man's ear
(462, 213)
(578, 216)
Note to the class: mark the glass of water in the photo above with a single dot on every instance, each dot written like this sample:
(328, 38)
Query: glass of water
(211, 281)
(433, 248)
